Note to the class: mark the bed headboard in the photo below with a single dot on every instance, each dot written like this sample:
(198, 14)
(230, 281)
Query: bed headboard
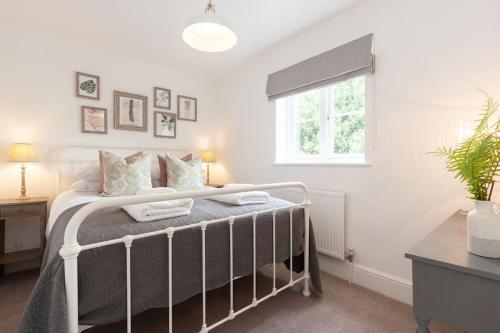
(69, 158)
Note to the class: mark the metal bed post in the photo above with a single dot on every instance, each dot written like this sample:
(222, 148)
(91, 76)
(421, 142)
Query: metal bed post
(170, 235)
(128, 244)
(254, 246)
(70, 257)
(231, 269)
(307, 207)
(204, 276)
(274, 253)
(291, 246)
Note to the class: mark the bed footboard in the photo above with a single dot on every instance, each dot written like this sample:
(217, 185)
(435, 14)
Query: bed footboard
(71, 249)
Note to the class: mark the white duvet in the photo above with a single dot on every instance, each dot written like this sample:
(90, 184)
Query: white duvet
(140, 212)
(66, 200)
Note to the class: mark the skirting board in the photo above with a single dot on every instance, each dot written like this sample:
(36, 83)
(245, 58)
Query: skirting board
(383, 283)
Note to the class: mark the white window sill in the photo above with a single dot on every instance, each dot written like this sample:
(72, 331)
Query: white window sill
(324, 163)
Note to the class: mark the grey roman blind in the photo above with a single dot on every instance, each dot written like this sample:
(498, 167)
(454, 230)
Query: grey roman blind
(339, 64)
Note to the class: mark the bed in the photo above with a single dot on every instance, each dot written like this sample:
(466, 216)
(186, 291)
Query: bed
(100, 266)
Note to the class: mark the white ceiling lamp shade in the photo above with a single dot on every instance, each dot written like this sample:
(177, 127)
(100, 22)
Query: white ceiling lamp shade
(209, 32)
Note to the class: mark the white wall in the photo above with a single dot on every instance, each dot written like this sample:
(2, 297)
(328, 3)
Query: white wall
(38, 103)
(430, 56)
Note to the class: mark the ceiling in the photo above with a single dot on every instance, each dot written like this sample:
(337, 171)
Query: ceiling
(151, 29)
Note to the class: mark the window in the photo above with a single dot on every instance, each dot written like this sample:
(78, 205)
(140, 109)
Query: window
(324, 125)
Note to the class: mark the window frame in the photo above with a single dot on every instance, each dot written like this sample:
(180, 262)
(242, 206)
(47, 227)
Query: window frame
(285, 153)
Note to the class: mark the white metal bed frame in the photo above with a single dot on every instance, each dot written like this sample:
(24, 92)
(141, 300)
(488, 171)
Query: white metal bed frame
(71, 249)
(72, 155)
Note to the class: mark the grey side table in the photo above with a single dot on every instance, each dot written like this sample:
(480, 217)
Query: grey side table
(452, 285)
(17, 210)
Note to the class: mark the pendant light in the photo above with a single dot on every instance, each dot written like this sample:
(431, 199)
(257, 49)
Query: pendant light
(209, 32)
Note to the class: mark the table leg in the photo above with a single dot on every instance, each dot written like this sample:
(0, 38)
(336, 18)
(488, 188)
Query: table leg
(422, 325)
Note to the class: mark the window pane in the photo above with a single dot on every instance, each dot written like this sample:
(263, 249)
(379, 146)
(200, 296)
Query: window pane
(323, 125)
(307, 115)
(349, 134)
(349, 95)
(348, 119)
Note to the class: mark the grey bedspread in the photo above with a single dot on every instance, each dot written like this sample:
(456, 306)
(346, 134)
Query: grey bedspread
(102, 271)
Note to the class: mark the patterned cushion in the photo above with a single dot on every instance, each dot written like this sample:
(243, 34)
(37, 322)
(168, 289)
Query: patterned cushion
(162, 162)
(184, 176)
(128, 159)
(125, 176)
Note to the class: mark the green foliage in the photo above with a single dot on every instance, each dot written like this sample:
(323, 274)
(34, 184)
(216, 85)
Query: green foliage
(350, 95)
(476, 160)
(308, 104)
(349, 134)
(347, 121)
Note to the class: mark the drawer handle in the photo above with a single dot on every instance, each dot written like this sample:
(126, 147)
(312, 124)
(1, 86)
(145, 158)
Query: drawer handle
(20, 210)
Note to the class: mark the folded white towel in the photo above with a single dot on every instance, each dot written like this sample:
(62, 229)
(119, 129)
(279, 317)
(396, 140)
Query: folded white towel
(156, 190)
(151, 211)
(242, 198)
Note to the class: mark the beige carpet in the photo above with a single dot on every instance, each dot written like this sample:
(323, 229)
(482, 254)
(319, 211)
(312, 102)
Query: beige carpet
(343, 308)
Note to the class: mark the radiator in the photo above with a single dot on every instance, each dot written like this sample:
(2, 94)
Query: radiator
(328, 219)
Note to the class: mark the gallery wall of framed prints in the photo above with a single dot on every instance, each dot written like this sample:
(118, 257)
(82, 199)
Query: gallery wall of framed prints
(130, 110)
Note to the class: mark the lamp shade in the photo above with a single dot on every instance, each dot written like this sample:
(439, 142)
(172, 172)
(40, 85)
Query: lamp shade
(22, 152)
(209, 32)
(208, 156)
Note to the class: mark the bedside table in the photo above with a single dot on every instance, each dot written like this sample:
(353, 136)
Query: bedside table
(19, 209)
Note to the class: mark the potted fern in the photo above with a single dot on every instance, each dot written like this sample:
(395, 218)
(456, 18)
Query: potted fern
(475, 162)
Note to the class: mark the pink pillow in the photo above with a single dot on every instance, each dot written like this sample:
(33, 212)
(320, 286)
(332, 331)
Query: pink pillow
(162, 161)
(128, 159)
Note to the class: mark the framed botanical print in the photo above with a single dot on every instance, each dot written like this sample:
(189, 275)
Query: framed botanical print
(94, 120)
(130, 111)
(187, 108)
(87, 86)
(161, 98)
(165, 124)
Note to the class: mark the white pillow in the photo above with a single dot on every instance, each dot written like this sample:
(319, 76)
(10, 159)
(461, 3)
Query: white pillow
(89, 172)
(85, 186)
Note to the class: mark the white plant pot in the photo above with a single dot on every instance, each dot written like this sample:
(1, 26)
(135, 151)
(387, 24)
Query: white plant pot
(483, 230)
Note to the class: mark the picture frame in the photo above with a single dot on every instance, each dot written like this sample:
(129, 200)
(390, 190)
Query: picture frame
(87, 86)
(94, 120)
(165, 124)
(187, 108)
(130, 111)
(162, 98)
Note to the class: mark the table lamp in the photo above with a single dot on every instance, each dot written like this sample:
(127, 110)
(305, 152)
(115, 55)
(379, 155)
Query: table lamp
(208, 156)
(22, 152)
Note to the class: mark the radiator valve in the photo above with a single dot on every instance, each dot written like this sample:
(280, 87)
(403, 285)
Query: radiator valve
(350, 254)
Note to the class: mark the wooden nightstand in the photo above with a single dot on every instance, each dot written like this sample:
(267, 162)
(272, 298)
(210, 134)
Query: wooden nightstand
(16, 210)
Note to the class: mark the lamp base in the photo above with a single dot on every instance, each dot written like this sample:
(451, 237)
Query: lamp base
(23, 195)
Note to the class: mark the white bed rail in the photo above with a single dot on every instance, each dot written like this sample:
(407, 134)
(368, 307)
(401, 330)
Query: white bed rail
(71, 249)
